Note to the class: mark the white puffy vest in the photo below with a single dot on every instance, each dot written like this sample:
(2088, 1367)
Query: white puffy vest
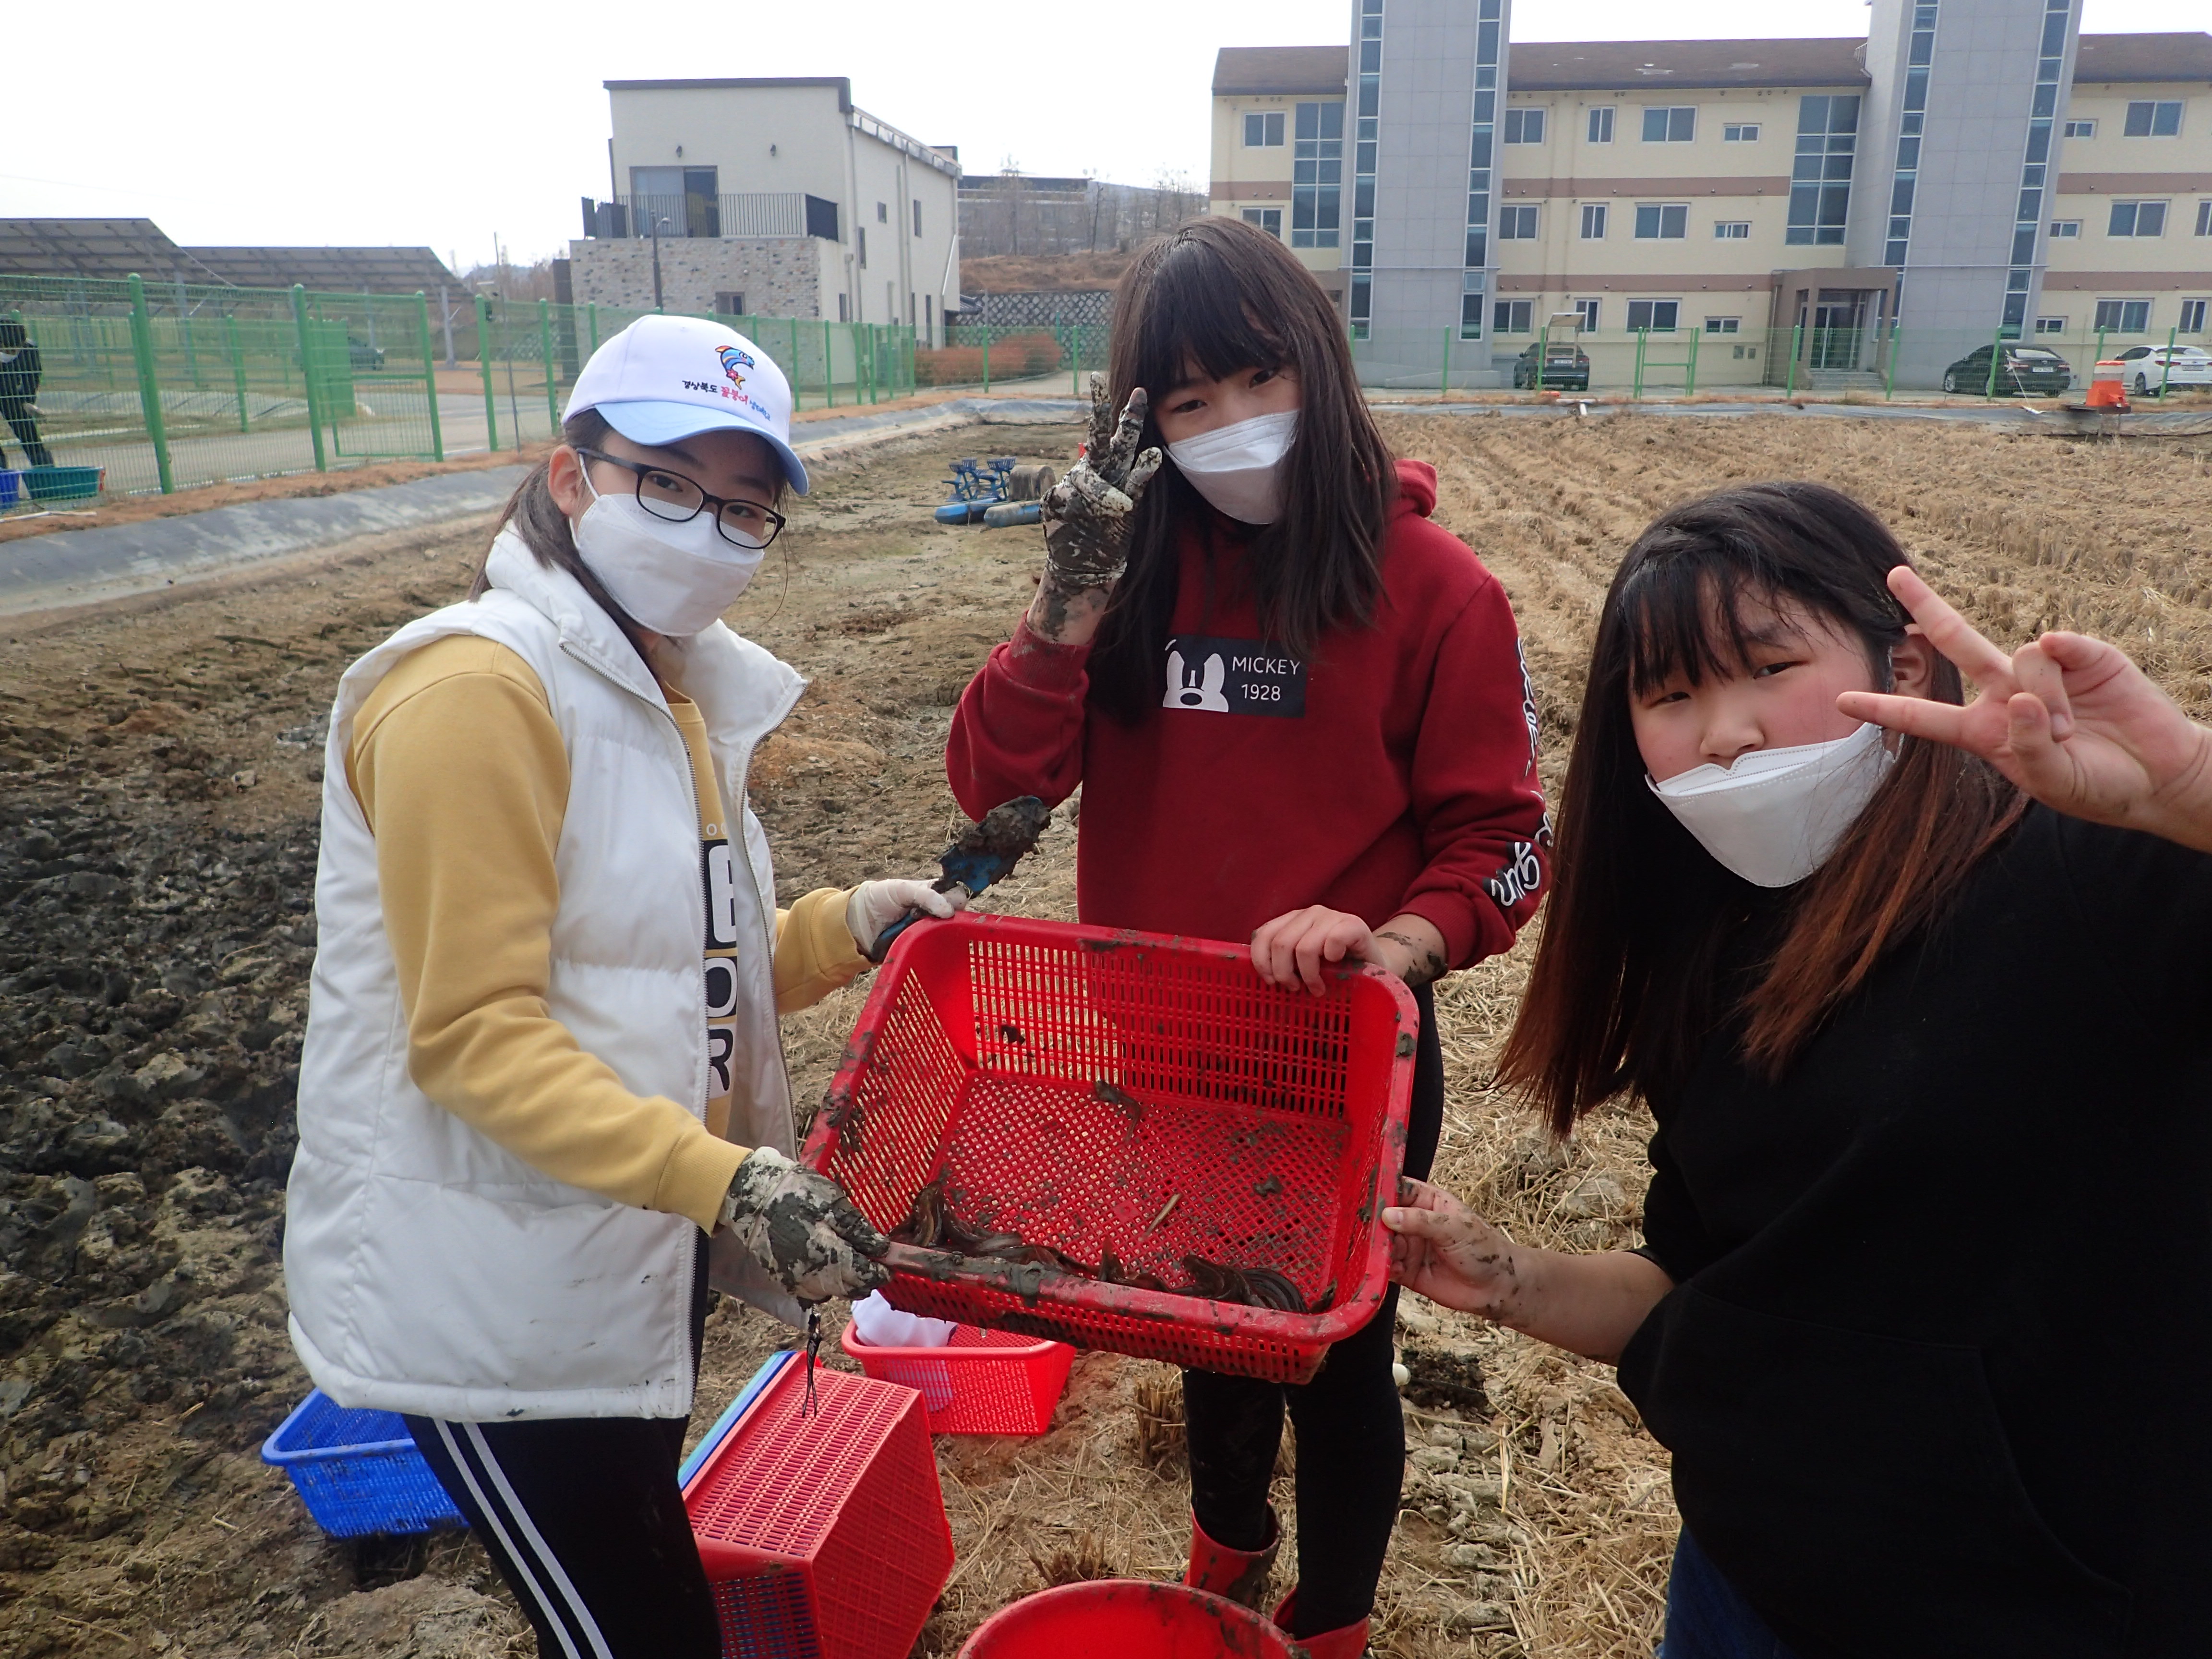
(429, 1270)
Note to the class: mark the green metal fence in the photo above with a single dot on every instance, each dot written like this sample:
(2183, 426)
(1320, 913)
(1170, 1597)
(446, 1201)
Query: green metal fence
(134, 386)
(1858, 365)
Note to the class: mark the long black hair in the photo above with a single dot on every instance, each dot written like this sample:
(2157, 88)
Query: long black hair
(1214, 297)
(1624, 990)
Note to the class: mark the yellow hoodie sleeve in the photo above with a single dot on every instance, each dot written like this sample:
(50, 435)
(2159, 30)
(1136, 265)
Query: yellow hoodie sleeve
(459, 767)
(815, 953)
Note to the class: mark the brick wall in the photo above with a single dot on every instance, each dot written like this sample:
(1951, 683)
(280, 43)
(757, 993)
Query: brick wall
(779, 276)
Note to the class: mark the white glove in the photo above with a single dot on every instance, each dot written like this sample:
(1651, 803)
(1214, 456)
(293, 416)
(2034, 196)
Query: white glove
(875, 905)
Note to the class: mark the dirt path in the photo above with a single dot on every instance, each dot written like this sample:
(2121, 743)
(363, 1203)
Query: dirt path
(157, 855)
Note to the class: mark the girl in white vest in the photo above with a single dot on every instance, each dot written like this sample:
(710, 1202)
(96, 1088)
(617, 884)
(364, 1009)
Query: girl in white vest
(542, 1102)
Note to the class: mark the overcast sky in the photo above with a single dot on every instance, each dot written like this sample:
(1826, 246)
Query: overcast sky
(408, 122)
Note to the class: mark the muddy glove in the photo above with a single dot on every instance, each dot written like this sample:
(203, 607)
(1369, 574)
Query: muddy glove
(801, 1228)
(1086, 513)
(875, 905)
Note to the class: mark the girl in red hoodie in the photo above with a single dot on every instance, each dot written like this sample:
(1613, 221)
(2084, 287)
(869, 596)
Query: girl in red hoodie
(1298, 711)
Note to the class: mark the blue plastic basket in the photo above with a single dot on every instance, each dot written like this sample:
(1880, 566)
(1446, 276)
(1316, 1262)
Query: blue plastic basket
(358, 1472)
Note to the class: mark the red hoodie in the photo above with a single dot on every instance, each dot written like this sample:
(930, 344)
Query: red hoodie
(1394, 771)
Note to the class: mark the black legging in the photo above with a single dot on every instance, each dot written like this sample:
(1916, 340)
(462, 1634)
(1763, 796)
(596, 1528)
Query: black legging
(584, 1520)
(18, 413)
(1350, 1434)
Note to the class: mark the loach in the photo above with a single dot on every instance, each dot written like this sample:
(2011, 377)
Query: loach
(931, 1224)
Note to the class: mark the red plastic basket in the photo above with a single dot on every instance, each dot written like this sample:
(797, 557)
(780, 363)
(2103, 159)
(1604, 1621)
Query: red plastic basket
(1127, 1618)
(981, 1383)
(824, 1534)
(1091, 1089)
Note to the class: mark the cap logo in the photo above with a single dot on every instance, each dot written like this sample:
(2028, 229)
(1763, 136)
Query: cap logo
(732, 360)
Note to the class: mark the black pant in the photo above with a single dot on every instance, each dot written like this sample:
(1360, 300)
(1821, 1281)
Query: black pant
(18, 413)
(586, 1522)
(1350, 1432)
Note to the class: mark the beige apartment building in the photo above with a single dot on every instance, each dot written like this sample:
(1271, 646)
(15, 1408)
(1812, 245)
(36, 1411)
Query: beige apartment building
(1738, 186)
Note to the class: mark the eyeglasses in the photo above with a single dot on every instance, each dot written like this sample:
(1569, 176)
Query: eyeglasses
(672, 496)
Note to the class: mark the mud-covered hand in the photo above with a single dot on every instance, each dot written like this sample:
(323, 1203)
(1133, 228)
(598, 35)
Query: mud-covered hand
(1086, 513)
(802, 1228)
(875, 905)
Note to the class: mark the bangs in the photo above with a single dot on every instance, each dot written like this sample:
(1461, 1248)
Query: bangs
(1197, 315)
(1686, 617)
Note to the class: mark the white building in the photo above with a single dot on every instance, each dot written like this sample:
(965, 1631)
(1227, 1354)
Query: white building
(773, 197)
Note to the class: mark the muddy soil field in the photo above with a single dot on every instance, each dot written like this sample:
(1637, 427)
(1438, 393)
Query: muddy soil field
(159, 768)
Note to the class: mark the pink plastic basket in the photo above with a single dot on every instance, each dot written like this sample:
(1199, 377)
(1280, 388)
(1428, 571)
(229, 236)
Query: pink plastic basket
(1090, 1090)
(981, 1383)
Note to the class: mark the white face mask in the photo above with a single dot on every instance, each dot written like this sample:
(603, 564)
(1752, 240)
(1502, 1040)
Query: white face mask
(674, 578)
(1239, 467)
(1775, 816)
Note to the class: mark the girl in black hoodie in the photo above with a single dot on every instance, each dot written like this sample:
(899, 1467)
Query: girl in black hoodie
(1922, 1312)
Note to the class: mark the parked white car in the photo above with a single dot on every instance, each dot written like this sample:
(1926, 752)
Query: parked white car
(2150, 368)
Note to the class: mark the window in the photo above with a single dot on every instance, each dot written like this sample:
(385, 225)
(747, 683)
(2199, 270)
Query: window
(2080, 129)
(1263, 130)
(883, 213)
(1732, 230)
(1663, 222)
(1516, 224)
(2051, 325)
(1740, 132)
(1658, 315)
(1316, 174)
(729, 302)
(917, 216)
(1587, 311)
(1600, 124)
(1820, 174)
(860, 232)
(2138, 219)
(2123, 316)
(2192, 317)
(2204, 218)
(1268, 219)
(2149, 119)
(1524, 126)
(2065, 229)
(844, 303)
(1513, 317)
(1677, 125)
(1593, 222)
(1723, 325)
(678, 201)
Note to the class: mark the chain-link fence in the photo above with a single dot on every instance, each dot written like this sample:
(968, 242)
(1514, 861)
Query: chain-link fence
(127, 387)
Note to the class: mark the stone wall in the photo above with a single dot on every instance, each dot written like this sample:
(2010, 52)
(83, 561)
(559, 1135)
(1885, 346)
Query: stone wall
(779, 276)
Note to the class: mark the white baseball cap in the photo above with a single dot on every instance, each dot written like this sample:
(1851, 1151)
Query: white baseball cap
(665, 379)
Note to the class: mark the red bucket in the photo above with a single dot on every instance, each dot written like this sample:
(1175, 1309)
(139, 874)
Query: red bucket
(1127, 1618)
(1093, 1089)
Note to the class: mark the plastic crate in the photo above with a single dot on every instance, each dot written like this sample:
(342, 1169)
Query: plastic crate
(11, 487)
(823, 1534)
(358, 1472)
(63, 483)
(981, 1383)
(1091, 1089)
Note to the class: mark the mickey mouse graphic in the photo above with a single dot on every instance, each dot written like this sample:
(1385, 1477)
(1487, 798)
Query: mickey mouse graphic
(1186, 688)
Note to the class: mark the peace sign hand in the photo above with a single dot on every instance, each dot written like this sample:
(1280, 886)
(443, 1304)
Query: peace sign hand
(2068, 718)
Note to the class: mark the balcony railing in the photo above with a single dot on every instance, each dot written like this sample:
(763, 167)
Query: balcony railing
(729, 213)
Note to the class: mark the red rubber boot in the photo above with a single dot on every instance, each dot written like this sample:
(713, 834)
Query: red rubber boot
(1240, 1575)
(1345, 1642)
